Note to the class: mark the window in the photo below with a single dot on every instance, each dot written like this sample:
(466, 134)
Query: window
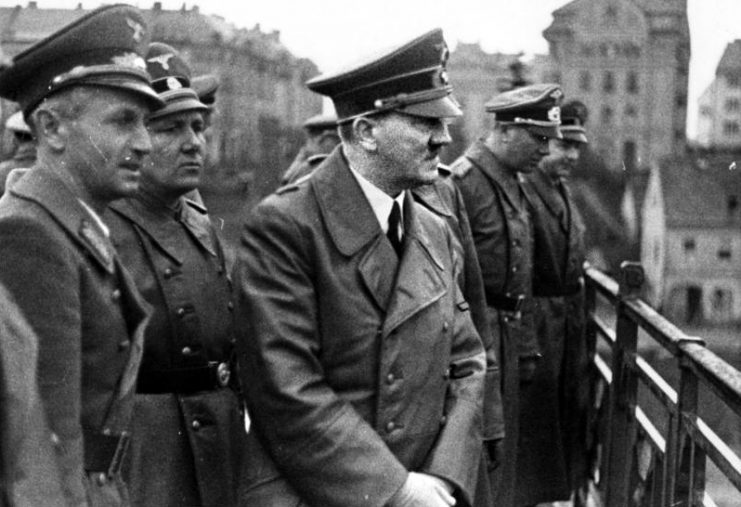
(606, 114)
(630, 111)
(632, 83)
(732, 105)
(585, 81)
(732, 205)
(730, 127)
(629, 155)
(608, 82)
(724, 252)
(689, 245)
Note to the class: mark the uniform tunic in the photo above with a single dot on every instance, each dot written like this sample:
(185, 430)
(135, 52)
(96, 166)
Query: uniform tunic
(501, 229)
(188, 431)
(553, 406)
(358, 366)
(65, 276)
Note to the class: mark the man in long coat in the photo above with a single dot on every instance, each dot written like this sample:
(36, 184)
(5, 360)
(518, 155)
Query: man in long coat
(553, 405)
(488, 177)
(188, 432)
(362, 368)
(86, 97)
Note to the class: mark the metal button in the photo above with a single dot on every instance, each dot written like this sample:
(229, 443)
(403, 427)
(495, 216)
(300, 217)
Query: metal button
(196, 424)
(230, 305)
(168, 273)
(446, 375)
(116, 295)
(443, 420)
(123, 345)
(107, 432)
(445, 325)
(390, 378)
(186, 351)
(181, 311)
(390, 426)
(101, 479)
(223, 374)
(514, 269)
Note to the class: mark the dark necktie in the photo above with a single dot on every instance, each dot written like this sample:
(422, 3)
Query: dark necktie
(393, 231)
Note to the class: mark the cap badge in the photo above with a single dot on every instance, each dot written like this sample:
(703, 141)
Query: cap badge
(138, 29)
(130, 60)
(444, 78)
(162, 60)
(173, 83)
(556, 94)
(554, 114)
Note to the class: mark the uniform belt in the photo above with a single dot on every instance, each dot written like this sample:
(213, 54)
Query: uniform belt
(505, 302)
(105, 453)
(211, 377)
(565, 290)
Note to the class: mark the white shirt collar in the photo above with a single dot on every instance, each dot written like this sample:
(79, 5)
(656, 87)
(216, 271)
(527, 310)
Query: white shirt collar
(380, 201)
(97, 219)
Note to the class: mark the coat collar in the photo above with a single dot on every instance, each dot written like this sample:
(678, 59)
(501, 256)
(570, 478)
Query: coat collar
(157, 222)
(483, 157)
(48, 190)
(548, 193)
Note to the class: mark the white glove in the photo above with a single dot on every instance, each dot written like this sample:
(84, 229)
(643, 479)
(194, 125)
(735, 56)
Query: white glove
(423, 490)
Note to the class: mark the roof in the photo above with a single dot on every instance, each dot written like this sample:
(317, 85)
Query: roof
(697, 190)
(730, 62)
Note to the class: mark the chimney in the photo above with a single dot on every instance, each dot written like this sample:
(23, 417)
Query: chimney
(157, 6)
(195, 9)
(33, 5)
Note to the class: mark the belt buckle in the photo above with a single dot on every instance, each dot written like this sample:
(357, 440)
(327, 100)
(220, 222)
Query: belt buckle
(118, 456)
(223, 374)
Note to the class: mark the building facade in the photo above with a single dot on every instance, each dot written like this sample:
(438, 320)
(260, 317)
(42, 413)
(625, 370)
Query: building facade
(261, 102)
(691, 238)
(628, 61)
(719, 115)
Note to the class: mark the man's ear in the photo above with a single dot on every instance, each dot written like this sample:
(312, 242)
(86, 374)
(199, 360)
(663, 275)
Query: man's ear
(51, 128)
(364, 131)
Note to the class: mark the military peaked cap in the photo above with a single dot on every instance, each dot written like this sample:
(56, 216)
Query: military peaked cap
(102, 48)
(410, 78)
(320, 122)
(535, 106)
(15, 123)
(171, 80)
(573, 118)
(206, 86)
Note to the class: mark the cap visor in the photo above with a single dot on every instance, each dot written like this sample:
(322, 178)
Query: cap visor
(551, 132)
(189, 104)
(137, 87)
(574, 135)
(443, 107)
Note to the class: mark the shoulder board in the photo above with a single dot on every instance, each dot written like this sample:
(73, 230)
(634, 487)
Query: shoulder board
(460, 167)
(315, 160)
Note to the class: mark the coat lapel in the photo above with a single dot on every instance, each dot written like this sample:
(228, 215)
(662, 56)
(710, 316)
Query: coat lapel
(50, 192)
(419, 279)
(549, 195)
(480, 155)
(353, 226)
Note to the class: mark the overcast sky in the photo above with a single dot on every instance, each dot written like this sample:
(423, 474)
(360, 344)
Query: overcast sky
(331, 32)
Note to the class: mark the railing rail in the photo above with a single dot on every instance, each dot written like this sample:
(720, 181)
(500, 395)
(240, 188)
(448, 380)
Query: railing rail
(635, 459)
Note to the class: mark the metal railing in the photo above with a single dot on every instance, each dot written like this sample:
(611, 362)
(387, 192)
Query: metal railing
(635, 458)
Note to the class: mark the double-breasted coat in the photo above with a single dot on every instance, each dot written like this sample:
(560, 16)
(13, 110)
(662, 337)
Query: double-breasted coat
(358, 366)
(188, 433)
(553, 405)
(65, 276)
(501, 228)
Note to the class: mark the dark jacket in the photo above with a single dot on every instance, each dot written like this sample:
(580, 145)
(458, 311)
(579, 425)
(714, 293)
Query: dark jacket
(356, 372)
(188, 431)
(501, 229)
(67, 279)
(553, 406)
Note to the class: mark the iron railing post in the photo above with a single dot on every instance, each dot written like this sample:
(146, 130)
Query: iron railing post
(624, 390)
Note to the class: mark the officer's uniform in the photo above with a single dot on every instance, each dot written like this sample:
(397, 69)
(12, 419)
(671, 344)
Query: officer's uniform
(188, 430)
(25, 150)
(502, 231)
(553, 405)
(360, 364)
(63, 272)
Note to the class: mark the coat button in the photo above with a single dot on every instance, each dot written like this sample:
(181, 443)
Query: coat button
(446, 375)
(116, 295)
(107, 432)
(390, 378)
(443, 420)
(123, 345)
(390, 426)
(514, 269)
(230, 305)
(168, 273)
(445, 326)
(186, 351)
(196, 424)
(101, 479)
(180, 311)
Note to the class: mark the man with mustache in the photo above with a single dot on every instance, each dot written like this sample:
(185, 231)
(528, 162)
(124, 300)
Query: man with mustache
(553, 405)
(362, 368)
(188, 431)
(489, 175)
(84, 92)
